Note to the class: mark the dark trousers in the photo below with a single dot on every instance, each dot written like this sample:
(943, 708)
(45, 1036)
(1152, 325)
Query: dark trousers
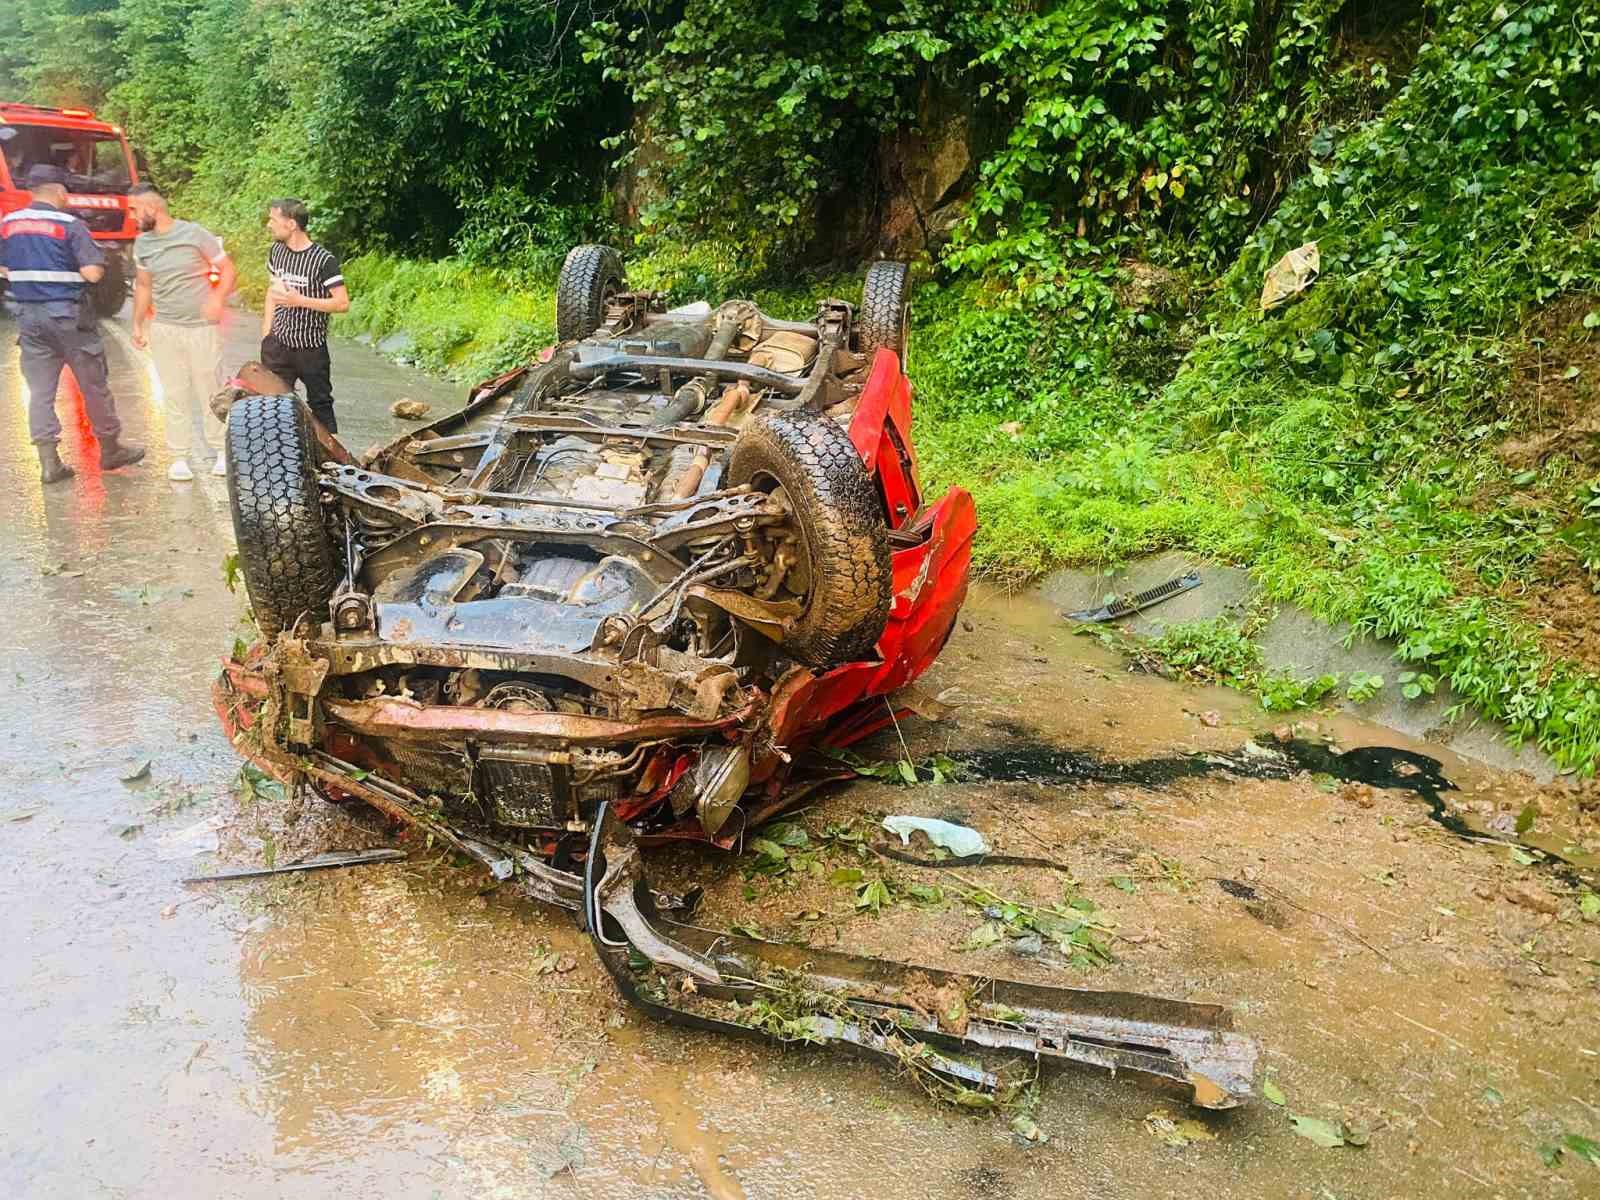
(48, 344)
(309, 366)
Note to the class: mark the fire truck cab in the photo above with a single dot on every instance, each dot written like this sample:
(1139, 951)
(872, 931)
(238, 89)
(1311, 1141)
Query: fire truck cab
(101, 168)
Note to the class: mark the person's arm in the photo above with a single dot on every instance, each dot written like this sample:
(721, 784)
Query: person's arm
(227, 275)
(91, 262)
(271, 305)
(143, 308)
(332, 278)
(338, 302)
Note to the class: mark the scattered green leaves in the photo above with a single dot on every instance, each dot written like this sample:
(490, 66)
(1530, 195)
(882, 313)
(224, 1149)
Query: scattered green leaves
(873, 895)
(255, 784)
(985, 935)
(1327, 1134)
(1585, 1148)
(1362, 686)
(1069, 927)
(937, 770)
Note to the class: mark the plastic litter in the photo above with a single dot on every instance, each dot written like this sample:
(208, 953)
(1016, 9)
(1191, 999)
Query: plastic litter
(957, 839)
(1291, 275)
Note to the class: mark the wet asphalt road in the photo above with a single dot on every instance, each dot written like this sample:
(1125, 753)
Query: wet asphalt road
(114, 618)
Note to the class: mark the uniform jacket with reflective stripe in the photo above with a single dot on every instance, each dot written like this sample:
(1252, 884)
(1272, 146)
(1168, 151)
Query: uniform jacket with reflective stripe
(42, 248)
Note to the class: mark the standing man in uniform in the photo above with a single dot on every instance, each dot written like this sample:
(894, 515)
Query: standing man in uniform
(49, 258)
(307, 285)
(183, 279)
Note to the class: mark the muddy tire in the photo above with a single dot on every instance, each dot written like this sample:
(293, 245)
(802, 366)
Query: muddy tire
(884, 319)
(286, 556)
(589, 277)
(841, 523)
(109, 295)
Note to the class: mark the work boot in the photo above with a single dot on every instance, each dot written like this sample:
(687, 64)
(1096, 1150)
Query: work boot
(51, 468)
(114, 454)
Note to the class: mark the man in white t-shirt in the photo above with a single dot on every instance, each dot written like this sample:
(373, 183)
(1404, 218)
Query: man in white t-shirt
(181, 286)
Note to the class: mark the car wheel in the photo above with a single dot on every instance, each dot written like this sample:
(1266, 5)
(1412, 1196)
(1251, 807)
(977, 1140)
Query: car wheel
(884, 319)
(589, 278)
(811, 464)
(109, 295)
(285, 554)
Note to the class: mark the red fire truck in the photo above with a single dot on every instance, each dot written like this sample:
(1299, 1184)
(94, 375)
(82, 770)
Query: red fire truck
(101, 167)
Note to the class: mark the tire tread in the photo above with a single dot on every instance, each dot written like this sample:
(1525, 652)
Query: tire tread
(285, 554)
(581, 289)
(842, 519)
(881, 318)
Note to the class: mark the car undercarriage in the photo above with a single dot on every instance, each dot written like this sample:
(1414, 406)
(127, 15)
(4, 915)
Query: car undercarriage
(619, 598)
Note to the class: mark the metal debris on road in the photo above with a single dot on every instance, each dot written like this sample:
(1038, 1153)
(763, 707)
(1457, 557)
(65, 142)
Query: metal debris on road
(317, 862)
(1128, 605)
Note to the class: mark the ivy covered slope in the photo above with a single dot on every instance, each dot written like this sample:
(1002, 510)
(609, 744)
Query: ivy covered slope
(1387, 450)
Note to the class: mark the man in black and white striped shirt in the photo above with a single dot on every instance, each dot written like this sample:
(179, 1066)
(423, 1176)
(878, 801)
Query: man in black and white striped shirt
(307, 285)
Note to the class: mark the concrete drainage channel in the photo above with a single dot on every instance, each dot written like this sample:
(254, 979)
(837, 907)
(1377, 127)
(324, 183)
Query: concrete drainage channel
(1296, 642)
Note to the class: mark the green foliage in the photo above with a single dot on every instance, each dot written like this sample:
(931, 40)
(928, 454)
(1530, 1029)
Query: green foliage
(1213, 651)
(428, 112)
(751, 114)
(1132, 118)
(1106, 121)
(1363, 686)
(423, 124)
(1341, 445)
(1069, 925)
(466, 321)
(1217, 651)
(60, 51)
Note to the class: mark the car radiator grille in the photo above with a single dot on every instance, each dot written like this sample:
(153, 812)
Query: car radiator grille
(446, 773)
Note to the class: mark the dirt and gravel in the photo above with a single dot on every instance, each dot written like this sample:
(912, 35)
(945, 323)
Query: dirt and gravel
(411, 1031)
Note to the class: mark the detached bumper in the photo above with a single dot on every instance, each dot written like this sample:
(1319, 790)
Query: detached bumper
(711, 980)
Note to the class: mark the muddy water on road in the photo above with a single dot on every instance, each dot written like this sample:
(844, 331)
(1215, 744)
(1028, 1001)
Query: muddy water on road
(399, 1030)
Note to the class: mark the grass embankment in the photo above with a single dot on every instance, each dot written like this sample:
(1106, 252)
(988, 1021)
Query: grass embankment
(1350, 448)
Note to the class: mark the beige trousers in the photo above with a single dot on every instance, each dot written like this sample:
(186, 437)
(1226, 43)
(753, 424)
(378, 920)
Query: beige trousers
(188, 363)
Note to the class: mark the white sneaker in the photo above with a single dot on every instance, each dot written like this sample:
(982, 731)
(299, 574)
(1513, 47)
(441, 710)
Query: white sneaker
(220, 467)
(179, 471)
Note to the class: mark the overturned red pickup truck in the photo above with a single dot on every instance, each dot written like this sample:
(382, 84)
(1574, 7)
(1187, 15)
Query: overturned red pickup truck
(615, 599)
